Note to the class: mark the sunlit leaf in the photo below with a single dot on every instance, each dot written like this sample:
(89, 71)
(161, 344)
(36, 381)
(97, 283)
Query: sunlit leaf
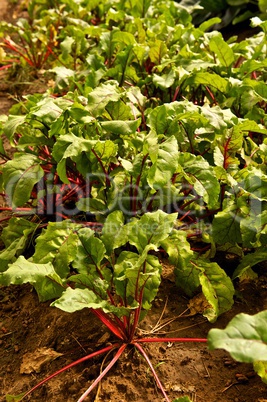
(222, 50)
(43, 277)
(245, 337)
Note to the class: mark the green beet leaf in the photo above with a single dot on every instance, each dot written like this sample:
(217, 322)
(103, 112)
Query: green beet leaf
(226, 225)
(12, 123)
(101, 96)
(180, 255)
(249, 260)
(165, 164)
(134, 274)
(121, 127)
(245, 337)
(16, 229)
(222, 50)
(77, 299)
(43, 277)
(16, 237)
(114, 224)
(19, 177)
(196, 171)
(212, 80)
(261, 369)
(217, 288)
(90, 252)
(69, 146)
(57, 244)
(151, 228)
(17, 398)
(92, 282)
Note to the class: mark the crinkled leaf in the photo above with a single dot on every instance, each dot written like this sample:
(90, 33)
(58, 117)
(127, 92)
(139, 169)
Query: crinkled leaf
(217, 288)
(254, 181)
(151, 228)
(11, 125)
(132, 273)
(19, 177)
(17, 228)
(69, 146)
(180, 255)
(118, 111)
(101, 96)
(47, 110)
(197, 171)
(90, 252)
(245, 337)
(92, 282)
(253, 227)
(136, 96)
(165, 164)
(16, 237)
(43, 277)
(57, 244)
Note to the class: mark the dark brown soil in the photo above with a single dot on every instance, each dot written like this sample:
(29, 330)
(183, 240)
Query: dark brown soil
(28, 329)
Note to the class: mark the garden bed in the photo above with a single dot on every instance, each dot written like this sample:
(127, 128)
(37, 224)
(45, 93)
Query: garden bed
(37, 340)
(27, 326)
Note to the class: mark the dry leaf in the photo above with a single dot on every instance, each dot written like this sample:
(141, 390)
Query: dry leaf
(198, 304)
(35, 361)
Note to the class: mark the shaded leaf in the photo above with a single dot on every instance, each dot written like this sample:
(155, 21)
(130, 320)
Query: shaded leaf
(19, 177)
(226, 225)
(249, 260)
(180, 255)
(217, 287)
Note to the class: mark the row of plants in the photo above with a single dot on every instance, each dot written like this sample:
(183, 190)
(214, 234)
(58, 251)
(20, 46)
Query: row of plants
(230, 12)
(150, 139)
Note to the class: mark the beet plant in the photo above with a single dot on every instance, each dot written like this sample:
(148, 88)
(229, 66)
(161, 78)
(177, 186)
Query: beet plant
(115, 274)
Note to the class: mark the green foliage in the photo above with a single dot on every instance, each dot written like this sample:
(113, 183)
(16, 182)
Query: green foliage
(245, 339)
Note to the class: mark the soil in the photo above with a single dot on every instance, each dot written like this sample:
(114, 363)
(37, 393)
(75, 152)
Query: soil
(36, 339)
